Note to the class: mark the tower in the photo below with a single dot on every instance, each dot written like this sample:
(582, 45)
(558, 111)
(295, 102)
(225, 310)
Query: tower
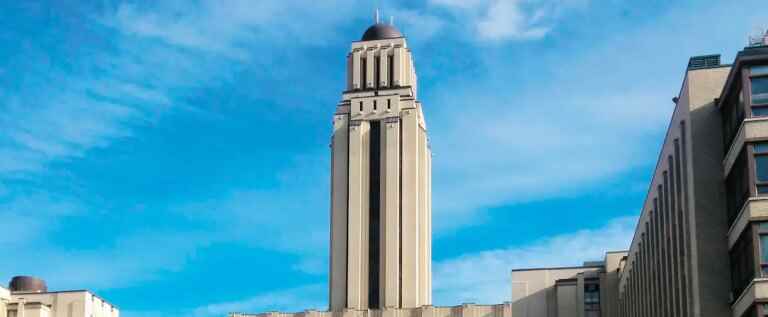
(381, 206)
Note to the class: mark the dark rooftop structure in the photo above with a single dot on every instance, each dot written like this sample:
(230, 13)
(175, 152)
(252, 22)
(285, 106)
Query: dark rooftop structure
(381, 31)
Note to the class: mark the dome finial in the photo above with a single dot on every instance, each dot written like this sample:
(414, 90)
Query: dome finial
(377, 16)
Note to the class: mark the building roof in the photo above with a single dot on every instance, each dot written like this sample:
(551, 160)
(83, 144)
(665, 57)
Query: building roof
(381, 31)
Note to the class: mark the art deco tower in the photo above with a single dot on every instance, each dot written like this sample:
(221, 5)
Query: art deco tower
(381, 206)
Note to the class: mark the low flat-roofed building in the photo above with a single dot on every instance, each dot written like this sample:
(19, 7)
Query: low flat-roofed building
(5, 296)
(29, 297)
(567, 291)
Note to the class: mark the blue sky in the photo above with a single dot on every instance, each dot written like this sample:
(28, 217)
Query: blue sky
(173, 156)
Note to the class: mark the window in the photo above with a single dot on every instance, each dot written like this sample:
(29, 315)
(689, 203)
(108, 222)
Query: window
(591, 296)
(742, 262)
(762, 231)
(732, 117)
(737, 186)
(761, 167)
(760, 90)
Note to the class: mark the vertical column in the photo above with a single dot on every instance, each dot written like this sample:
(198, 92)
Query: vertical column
(410, 209)
(350, 66)
(397, 72)
(429, 225)
(390, 214)
(407, 68)
(370, 60)
(357, 80)
(423, 219)
(668, 248)
(339, 188)
(580, 309)
(357, 244)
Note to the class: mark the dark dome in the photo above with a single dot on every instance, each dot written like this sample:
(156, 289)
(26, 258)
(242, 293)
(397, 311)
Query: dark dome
(381, 31)
(27, 284)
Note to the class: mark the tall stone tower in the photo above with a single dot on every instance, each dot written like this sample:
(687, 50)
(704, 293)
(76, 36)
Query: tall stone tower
(381, 206)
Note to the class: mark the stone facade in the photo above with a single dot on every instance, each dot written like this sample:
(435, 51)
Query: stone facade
(466, 310)
(57, 304)
(381, 219)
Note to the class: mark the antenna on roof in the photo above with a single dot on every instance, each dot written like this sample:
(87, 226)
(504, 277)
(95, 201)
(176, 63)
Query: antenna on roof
(377, 15)
(759, 37)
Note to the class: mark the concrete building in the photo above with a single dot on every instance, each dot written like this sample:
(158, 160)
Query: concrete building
(583, 291)
(5, 297)
(381, 178)
(29, 297)
(700, 247)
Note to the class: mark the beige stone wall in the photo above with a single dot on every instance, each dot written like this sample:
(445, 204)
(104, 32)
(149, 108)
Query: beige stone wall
(676, 265)
(536, 293)
(62, 304)
(466, 310)
(381, 88)
(5, 296)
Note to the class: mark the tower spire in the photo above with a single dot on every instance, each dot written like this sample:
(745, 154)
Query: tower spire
(377, 16)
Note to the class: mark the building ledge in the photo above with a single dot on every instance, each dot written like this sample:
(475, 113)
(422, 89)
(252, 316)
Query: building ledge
(754, 209)
(757, 291)
(465, 310)
(752, 129)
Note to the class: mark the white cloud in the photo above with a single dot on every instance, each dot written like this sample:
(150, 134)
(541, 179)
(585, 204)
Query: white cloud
(499, 20)
(289, 300)
(484, 277)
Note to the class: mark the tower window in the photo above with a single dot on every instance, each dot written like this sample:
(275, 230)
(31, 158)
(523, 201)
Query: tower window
(364, 73)
(361, 106)
(391, 71)
(374, 105)
(389, 104)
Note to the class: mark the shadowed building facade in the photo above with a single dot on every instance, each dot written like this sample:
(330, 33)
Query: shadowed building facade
(700, 248)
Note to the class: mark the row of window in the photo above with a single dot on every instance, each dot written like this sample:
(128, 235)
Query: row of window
(734, 112)
(743, 255)
(738, 183)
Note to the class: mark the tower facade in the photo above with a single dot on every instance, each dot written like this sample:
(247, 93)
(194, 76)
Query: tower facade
(381, 218)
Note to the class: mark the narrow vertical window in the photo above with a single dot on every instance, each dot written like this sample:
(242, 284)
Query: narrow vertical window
(377, 72)
(761, 167)
(364, 73)
(374, 105)
(391, 72)
(389, 104)
(762, 231)
(361, 106)
(374, 216)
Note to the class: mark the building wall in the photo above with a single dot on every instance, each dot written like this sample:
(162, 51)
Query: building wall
(466, 310)
(559, 292)
(62, 304)
(678, 264)
(5, 297)
(381, 219)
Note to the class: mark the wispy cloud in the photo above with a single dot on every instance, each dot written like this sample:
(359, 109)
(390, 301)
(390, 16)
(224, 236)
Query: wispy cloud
(300, 298)
(500, 20)
(460, 281)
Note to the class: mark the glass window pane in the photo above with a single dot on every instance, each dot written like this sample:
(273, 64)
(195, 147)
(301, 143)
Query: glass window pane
(764, 248)
(761, 147)
(759, 70)
(760, 90)
(760, 111)
(761, 166)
